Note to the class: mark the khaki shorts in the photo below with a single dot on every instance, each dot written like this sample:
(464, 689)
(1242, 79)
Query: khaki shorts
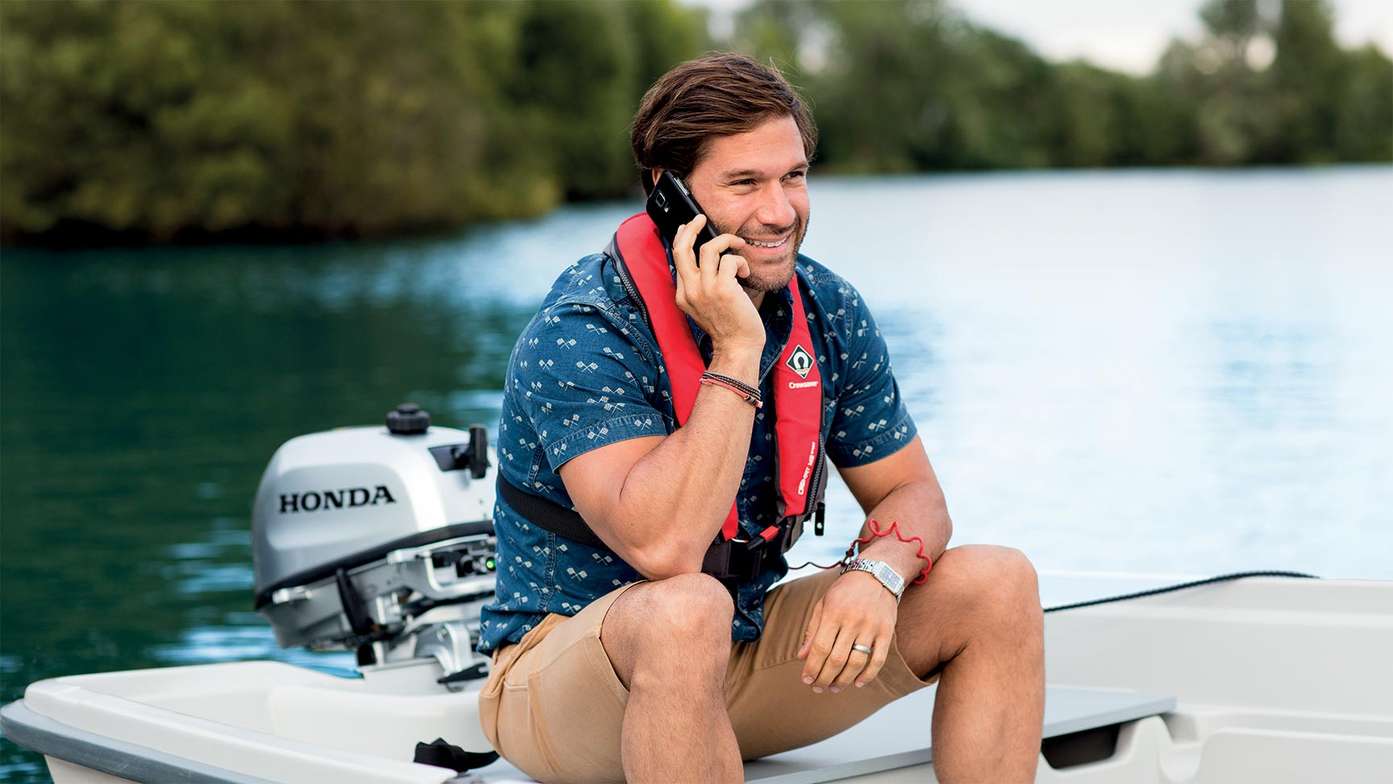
(553, 705)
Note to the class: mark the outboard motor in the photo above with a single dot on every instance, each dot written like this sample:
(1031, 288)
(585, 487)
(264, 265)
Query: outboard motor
(379, 540)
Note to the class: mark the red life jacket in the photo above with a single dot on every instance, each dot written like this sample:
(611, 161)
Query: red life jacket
(797, 382)
(642, 265)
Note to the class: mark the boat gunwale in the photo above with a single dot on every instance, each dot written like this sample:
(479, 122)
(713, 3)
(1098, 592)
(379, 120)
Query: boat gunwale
(32, 730)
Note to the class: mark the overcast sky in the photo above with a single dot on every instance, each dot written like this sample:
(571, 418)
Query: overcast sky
(1124, 34)
(1131, 35)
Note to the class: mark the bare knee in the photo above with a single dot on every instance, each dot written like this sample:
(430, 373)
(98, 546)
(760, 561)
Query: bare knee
(687, 608)
(678, 627)
(998, 583)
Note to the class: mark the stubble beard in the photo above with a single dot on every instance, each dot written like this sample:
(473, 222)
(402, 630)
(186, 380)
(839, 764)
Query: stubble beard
(769, 276)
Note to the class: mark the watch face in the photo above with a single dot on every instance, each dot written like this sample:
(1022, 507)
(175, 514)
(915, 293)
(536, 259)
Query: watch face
(881, 571)
(890, 577)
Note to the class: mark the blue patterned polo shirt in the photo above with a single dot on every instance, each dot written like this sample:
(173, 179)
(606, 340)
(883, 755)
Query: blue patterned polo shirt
(587, 372)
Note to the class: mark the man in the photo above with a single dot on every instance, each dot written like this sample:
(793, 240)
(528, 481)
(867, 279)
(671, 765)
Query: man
(617, 654)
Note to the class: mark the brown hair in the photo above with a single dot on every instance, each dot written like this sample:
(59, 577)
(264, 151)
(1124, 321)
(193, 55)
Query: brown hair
(720, 94)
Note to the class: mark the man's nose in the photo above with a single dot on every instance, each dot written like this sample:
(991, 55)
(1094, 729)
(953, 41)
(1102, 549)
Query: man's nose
(775, 209)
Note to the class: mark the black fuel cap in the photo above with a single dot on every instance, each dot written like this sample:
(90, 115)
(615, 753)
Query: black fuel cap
(408, 420)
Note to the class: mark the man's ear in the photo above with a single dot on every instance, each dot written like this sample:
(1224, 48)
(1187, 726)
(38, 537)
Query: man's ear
(656, 174)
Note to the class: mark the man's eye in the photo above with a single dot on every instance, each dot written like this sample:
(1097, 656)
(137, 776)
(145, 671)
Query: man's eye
(743, 182)
(798, 175)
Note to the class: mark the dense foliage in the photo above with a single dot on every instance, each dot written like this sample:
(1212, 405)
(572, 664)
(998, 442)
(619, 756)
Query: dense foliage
(903, 85)
(200, 120)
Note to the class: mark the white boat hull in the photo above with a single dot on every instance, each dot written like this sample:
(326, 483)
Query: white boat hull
(1261, 680)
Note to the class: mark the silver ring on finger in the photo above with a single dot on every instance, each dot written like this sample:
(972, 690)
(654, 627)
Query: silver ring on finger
(859, 648)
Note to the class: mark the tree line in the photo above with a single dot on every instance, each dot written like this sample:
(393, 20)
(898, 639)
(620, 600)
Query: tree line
(289, 119)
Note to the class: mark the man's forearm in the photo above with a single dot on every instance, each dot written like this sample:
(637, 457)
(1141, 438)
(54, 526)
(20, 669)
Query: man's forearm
(920, 510)
(674, 499)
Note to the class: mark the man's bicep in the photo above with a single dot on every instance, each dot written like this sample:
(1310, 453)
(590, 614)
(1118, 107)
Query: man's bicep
(871, 482)
(582, 384)
(595, 479)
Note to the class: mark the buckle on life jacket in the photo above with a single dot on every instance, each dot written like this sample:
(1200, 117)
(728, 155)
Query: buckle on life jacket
(742, 560)
(738, 560)
(732, 561)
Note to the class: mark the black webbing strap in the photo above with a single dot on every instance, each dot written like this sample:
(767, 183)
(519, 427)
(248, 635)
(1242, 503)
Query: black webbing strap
(730, 560)
(545, 514)
(443, 755)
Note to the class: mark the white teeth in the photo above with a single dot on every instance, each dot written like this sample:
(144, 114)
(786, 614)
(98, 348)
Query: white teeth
(759, 244)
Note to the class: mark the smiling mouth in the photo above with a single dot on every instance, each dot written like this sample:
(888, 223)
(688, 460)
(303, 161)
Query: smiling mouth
(771, 244)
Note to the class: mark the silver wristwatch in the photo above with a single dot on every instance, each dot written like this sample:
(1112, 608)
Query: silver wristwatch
(881, 571)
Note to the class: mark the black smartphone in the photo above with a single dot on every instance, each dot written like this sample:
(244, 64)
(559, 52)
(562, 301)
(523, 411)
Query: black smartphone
(670, 205)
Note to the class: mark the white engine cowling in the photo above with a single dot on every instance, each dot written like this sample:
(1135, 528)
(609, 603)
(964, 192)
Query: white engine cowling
(379, 540)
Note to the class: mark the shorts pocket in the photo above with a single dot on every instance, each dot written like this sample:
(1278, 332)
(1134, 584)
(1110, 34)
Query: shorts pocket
(577, 704)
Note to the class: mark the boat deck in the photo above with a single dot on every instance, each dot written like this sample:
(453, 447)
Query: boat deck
(897, 736)
(1260, 681)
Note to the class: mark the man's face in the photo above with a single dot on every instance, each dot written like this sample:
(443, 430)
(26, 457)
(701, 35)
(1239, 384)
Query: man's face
(754, 185)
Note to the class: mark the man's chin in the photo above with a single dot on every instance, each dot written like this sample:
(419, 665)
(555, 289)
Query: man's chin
(770, 276)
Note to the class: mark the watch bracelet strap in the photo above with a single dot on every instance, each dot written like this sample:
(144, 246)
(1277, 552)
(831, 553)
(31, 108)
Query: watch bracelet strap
(869, 567)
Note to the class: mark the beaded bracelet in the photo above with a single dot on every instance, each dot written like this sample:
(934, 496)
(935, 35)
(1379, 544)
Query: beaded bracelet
(749, 393)
(747, 397)
(735, 382)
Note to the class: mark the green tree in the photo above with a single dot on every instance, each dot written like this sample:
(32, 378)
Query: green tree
(160, 121)
(1307, 80)
(574, 74)
(290, 118)
(1364, 120)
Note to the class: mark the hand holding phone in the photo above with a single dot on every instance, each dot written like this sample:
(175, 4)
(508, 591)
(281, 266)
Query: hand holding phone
(708, 285)
(671, 205)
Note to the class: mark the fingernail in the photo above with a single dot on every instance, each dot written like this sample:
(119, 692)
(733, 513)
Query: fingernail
(859, 684)
(836, 689)
(808, 681)
(817, 690)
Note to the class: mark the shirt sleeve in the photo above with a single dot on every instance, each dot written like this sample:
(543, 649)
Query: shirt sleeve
(870, 421)
(583, 383)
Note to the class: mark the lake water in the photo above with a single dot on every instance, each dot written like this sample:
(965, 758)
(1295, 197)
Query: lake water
(1169, 372)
